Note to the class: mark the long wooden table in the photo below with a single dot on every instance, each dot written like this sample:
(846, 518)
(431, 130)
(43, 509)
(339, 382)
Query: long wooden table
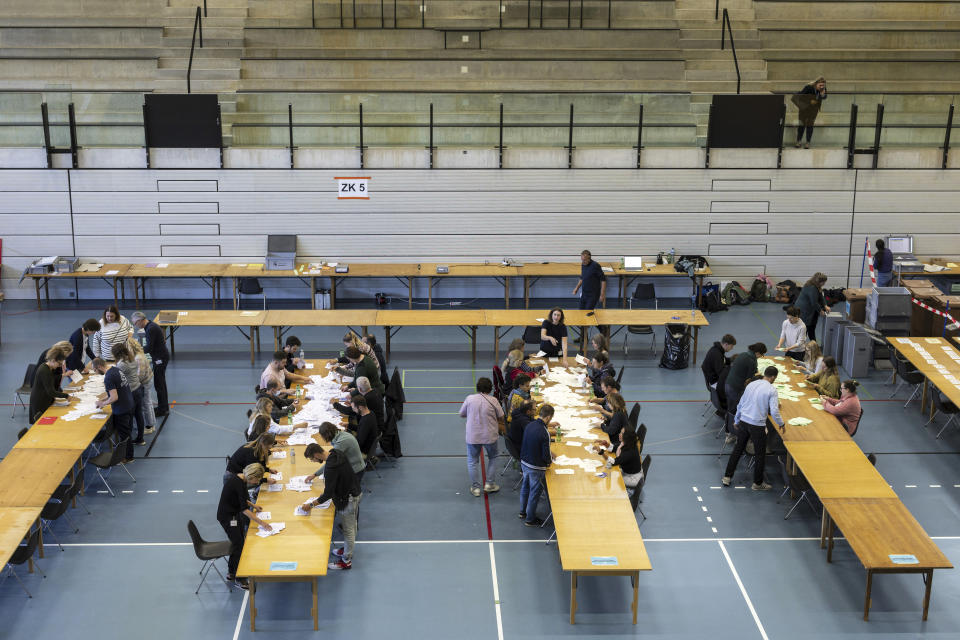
(407, 273)
(112, 274)
(283, 321)
(304, 538)
(854, 495)
(251, 320)
(939, 349)
(15, 524)
(597, 531)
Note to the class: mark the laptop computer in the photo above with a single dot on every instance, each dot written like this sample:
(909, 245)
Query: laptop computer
(633, 263)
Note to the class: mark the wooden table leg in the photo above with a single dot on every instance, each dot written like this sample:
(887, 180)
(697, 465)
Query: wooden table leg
(115, 303)
(253, 603)
(473, 344)
(830, 540)
(314, 608)
(333, 292)
(410, 292)
(573, 596)
(526, 292)
(235, 299)
(123, 289)
(923, 396)
(700, 293)
(136, 293)
(36, 284)
(40, 537)
(506, 292)
(866, 602)
(636, 594)
(823, 528)
(927, 578)
(696, 339)
(258, 339)
(496, 344)
(313, 293)
(251, 346)
(276, 338)
(46, 291)
(387, 337)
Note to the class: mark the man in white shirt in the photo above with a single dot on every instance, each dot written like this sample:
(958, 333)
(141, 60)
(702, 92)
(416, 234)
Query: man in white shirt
(758, 401)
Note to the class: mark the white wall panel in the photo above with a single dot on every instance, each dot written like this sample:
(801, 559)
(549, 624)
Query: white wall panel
(28, 202)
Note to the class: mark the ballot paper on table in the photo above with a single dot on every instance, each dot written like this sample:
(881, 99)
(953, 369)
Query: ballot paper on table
(76, 377)
(800, 422)
(278, 455)
(308, 365)
(275, 528)
(563, 472)
(265, 515)
(299, 483)
(300, 511)
(278, 476)
(582, 360)
(273, 488)
(540, 354)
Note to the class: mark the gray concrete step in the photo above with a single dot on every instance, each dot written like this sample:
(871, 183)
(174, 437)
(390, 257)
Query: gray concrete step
(457, 54)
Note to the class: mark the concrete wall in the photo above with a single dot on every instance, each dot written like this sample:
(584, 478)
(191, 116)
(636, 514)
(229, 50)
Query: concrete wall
(787, 223)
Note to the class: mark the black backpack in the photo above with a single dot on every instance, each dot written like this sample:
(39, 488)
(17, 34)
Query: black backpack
(833, 296)
(711, 302)
(758, 292)
(734, 293)
(676, 347)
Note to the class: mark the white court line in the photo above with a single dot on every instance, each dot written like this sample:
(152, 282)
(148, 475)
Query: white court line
(743, 591)
(243, 607)
(203, 491)
(934, 486)
(496, 592)
(176, 491)
(152, 491)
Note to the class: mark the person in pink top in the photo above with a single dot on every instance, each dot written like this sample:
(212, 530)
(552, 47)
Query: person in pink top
(847, 408)
(484, 416)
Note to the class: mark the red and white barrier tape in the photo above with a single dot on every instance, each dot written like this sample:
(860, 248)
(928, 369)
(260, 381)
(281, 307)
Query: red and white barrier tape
(946, 315)
(873, 274)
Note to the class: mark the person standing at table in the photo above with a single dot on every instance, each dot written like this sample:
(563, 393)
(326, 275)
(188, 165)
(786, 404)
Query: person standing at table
(592, 284)
(553, 335)
(114, 329)
(759, 400)
(793, 335)
(364, 366)
(535, 459)
(120, 399)
(484, 416)
(234, 512)
(80, 341)
(341, 485)
(156, 349)
(883, 264)
(45, 389)
(345, 443)
(811, 303)
(128, 366)
(743, 367)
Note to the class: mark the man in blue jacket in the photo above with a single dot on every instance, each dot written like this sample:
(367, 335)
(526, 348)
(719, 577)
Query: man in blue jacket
(535, 458)
(80, 341)
(592, 284)
(156, 349)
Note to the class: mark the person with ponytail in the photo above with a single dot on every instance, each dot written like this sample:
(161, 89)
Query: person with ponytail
(847, 408)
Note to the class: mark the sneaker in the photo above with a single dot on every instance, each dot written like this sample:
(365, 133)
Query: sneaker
(491, 487)
(475, 491)
(522, 515)
(339, 565)
(730, 439)
(142, 443)
(798, 144)
(763, 486)
(806, 145)
(127, 461)
(149, 430)
(725, 481)
(243, 583)
(720, 413)
(338, 552)
(536, 522)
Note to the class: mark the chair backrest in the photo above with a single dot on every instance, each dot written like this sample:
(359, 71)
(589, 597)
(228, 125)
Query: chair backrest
(531, 335)
(25, 552)
(498, 384)
(641, 435)
(30, 375)
(512, 448)
(634, 415)
(195, 538)
(857, 426)
(249, 286)
(54, 509)
(620, 375)
(872, 458)
(119, 452)
(645, 467)
(939, 403)
(645, 291)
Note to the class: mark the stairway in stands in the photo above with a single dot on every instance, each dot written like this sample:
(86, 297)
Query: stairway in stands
(709, 69)
(216, 67)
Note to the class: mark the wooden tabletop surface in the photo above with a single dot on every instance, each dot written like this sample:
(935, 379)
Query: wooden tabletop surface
(210, 318)
(121, 271)
(15, 523)
(177, 270)
(77, 434)
(657, 317)
(825, 426)
(430, 318)
(30, 476)
(883, 527)
(535, 317)
(839, 470)
(321, 318)
(938, 349)
(588, 530)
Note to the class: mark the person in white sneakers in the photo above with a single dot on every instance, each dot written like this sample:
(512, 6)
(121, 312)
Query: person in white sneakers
(485, 421)
(758, 401)
(341, 485)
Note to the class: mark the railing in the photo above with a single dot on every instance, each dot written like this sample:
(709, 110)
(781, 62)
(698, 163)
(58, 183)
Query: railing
(197, 28)
(510, 14)
(726, 25)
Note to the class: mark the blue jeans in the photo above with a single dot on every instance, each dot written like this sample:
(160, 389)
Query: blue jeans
(473, 461)
(530, 490)
(884, 278)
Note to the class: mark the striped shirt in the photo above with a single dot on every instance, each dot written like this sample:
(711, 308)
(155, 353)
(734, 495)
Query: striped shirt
(110, 334)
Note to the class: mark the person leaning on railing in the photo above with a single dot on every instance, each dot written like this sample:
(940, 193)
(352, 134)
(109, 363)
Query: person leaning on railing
(808, 101)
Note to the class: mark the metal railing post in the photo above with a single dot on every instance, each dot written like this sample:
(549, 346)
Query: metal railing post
(783, 126)
(361, 136)
(733, 47)
(946, 137)
(45, 118)
(197, 29)
(146, 135)
(639, 135)
(72, 118)
(290, 129)
(878, 129)
(500, 145)
(852, 135)
(570, 141)
(430, 147)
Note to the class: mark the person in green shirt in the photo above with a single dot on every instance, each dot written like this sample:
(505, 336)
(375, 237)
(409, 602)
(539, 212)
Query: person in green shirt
(827, 382)
(364, 366)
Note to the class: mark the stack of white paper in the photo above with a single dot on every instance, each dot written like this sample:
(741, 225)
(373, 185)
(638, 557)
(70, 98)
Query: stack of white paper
(275, 528)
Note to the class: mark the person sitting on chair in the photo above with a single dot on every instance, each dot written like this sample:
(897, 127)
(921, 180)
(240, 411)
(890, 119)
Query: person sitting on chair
(602, 367)
(847, 408)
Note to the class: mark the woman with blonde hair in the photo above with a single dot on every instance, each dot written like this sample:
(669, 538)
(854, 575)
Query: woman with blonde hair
(145, 373)
(234, 511)
(63, 348)
(827, 382)
(813, 358)
(516, 365)
(351, 339)
(264, 408)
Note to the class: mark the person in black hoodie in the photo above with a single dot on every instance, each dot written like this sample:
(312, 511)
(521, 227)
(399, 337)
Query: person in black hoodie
(714, 363)
(46, 383)
(519, 419)
(340, 485)
(80, 340)
(234, 512)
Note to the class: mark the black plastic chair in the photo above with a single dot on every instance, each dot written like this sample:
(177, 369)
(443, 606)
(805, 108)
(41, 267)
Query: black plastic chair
(24, 389)
(71, 492)
(370, 457)
(249, 287)
(531, 335)
(514, 458)
(620, 375)
(908, 375)
(796, 483)
(857, 426)
(209, 552)
(499, 385)
(634, 415)
(22, 554)
(944, 406)
(107, 460)
(644, 292)
(52, 512)
(641, 436)
(635, 499)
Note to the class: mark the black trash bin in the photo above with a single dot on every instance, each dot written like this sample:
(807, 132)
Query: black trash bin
(676, 347)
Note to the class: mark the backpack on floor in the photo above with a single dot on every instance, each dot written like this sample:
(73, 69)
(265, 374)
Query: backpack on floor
(734, 293)
(787, 292)
(833, 296)
(710, 301)
(676, 347)
(758, 291)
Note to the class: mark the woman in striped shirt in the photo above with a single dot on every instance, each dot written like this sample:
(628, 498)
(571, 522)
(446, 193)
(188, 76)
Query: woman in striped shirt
(114, 329)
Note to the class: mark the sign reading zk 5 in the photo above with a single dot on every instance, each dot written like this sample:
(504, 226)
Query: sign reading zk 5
(353, 188)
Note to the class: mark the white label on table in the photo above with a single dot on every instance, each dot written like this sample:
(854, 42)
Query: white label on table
(563, 472)
(353, 187)
(163, 265)
(112, 272)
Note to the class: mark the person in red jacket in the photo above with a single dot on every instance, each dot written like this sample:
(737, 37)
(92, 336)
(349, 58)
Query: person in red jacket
(847, 408)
